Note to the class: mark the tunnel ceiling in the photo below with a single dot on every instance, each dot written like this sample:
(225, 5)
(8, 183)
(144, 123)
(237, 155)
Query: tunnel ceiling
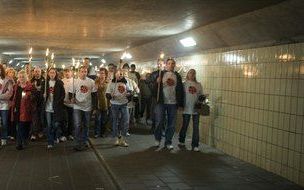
(97, 27)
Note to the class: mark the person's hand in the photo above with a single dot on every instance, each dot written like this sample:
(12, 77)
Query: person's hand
(158, 80)
(73, 100)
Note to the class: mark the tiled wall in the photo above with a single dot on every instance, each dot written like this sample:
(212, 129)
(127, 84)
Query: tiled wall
(257, 97)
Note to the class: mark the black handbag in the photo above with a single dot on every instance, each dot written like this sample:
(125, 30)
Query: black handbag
(205, 110)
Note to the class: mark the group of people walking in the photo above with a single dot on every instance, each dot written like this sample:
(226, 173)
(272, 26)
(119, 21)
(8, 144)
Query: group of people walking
(65, 101)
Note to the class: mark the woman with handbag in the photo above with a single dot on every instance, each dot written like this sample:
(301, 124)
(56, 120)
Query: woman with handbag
(193, 91)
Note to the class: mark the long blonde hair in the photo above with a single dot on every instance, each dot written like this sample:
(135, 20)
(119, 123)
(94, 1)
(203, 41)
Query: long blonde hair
(187, 78)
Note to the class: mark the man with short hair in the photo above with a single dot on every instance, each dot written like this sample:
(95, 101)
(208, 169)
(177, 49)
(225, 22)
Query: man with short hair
(90, 70)
(83, 95)
(38, 82)
(170, 97)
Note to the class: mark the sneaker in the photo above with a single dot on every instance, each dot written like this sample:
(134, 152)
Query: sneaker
(96, 136)
(57, 141)
(124, 143)
(128, 134)
(63, 139)
(3, 142)
(33, 138)
(78, 148)
(181, 144)
(71, 138)
(12, 138)
(19, 147)
(117, 142)
(169, 146)
(50, 147)
(157, 143)
(196, 149)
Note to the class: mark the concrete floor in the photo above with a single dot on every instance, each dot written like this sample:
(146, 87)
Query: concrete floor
(35, 168)
(139, 166)
(142, 166)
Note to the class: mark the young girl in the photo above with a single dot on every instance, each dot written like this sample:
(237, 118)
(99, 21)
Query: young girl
(22, 108)
(118, 92)
(54, 106)
(193, 91)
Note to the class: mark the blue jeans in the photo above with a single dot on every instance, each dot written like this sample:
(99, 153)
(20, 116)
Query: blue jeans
(195, 133)
(4, 120)
(81, 124)
(100, 121)
(52, 128)
(23, 130)
(160, 110)
(120, 112)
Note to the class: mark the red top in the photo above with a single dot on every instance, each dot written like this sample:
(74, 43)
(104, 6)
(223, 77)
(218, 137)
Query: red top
(26, 103)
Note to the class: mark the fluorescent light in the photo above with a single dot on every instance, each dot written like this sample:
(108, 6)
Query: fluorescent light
(103, 61)
(11, 61)
(188, 42)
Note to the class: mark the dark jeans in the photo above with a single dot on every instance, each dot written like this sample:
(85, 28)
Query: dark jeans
(146, 106)
(161, 110)
(195, 134)
(100, 121)
(4, 121)
(23, 130)
(69, 124)
(52, 128)
(81, 123)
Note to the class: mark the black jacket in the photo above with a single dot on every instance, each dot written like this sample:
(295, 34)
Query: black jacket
(178, 89)
(58, 100)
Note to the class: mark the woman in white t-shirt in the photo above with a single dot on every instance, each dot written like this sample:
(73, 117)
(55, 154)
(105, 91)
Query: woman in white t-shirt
(193, 91)
(54, 106)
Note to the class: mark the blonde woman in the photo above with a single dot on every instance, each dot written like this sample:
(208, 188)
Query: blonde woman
(193, 91)
(22, 108)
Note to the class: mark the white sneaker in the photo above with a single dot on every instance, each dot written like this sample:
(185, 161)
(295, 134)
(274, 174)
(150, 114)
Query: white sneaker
(57, 141)
(157, 143)
(33, 138)
(50, 146)
(3, 142)
(124, 143)
(196, 149)
(128, 134)
(169, 146)
(63, 139)
(117, 142)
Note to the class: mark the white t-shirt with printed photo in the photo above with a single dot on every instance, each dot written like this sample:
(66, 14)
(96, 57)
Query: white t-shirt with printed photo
(169, 84)
(49, 102)
(83, 89)
(120, 91)
(192, 91)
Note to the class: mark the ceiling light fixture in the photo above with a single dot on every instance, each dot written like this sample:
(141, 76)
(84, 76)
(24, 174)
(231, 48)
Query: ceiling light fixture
(126, 55)
(103, 61)
(188, 42)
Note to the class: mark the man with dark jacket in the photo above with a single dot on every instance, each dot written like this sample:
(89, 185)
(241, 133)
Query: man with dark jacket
(168, 91)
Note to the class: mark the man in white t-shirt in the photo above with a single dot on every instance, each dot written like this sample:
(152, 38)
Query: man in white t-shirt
(170, 97)
(84, 98)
